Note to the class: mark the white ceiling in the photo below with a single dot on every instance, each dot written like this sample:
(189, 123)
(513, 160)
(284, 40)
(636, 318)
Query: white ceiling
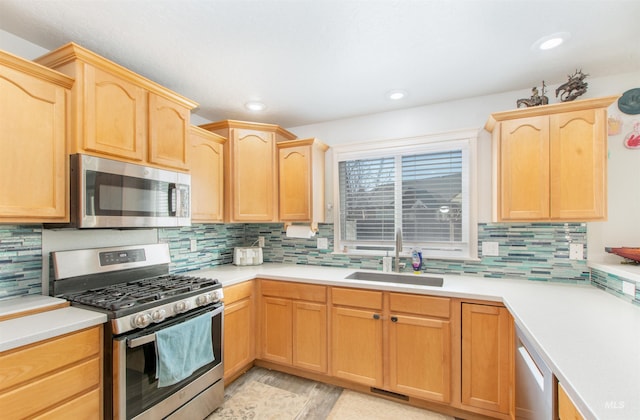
(318, 60)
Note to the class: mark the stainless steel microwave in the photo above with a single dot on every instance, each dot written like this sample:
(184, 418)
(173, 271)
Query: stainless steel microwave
(106, 193)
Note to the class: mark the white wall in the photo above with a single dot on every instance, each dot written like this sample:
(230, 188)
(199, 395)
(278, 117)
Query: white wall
(622, 228)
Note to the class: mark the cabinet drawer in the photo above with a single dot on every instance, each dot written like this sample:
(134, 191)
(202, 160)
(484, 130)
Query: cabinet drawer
(359, 298)
(297, 291)
(86, 406)
(237, 292)
(30, 362)
(48, 391)
(420, 305)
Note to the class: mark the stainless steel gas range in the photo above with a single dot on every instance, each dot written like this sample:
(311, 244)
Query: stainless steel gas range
(145, 305)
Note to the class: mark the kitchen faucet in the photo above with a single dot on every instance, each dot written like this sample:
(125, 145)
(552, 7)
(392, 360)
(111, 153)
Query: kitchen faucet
(398, 248)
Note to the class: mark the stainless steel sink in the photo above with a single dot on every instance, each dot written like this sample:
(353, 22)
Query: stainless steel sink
(396, 278)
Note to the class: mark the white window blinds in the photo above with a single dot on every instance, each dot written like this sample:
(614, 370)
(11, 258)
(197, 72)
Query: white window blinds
(423, 189)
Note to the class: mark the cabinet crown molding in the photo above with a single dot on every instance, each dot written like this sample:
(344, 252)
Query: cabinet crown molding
(535, 111)
(71, 52)
(34, 69)
(304, 142)
(226, 124)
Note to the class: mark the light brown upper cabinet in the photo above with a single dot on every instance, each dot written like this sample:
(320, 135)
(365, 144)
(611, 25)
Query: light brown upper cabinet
(301, 180)
(207, 175)
(250, 169)
(550, 162)
(33, 144)
(118, 114)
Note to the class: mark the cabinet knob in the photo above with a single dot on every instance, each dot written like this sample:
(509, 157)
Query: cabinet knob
(376, 316)
(394, 319)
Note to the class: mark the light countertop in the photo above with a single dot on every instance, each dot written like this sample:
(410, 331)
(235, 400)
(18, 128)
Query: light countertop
(30, 329)
(589, 338)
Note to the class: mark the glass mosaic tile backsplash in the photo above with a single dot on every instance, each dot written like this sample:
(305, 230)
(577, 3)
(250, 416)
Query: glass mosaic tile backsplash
(538, 252)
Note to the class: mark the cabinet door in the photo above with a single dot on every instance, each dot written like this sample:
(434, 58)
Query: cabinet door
(420, 357)
(487, 348)
(115, 116)
(276, 330)
(524, 169)
(168, 130)
(33, 150)
(253, 175)
(207, 169)
(578, 165)
(566, 408)
(294, 165)
(238, 336)
(356, 347)
(310, 336)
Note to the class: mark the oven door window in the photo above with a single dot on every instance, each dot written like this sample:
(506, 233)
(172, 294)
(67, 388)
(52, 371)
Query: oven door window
(142, 391)
(120, 195)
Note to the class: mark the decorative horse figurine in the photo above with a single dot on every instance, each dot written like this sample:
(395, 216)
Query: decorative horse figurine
(573, 88)
(535, 98)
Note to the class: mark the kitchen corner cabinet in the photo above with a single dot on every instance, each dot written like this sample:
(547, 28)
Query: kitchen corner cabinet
(487, 360)
(33, 145)
(207, 175)
(293, 324)
(56, 378)
(250, 169)
(566, 408)
(118, 114)
(239, 329)
(301, 180)
(550, 162)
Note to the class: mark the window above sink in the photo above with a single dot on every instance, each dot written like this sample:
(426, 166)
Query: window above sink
(425, 185)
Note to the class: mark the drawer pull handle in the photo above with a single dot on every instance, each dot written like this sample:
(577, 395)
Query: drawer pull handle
(394, 319)
(376, 316)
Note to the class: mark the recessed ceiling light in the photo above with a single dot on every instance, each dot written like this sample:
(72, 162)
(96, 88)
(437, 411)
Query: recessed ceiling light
(551, 41)
(396, 94)
(255, 106)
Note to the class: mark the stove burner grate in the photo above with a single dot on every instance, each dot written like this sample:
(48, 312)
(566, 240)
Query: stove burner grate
(138, 292)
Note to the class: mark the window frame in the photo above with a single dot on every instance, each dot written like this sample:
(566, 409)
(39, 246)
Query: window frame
(465, 140)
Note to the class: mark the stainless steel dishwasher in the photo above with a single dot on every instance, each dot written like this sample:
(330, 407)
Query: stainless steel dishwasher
(535, 383)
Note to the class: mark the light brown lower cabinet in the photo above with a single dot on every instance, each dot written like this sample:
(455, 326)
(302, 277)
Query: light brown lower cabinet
(356, 336)
(293, 324)
(417, 353)
(239, 329)
(566, 408)
(487, 359)
(440, 352)
(59, 378)
(420, 346)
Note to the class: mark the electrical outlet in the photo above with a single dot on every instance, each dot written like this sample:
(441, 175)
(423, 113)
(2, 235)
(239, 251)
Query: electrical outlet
(576, 251)
(261, 241)
(490, 249)
(323, 243)
(629, 288)
(194, 245)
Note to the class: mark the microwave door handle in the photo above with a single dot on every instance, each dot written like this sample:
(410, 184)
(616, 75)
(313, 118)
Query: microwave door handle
(173, 199)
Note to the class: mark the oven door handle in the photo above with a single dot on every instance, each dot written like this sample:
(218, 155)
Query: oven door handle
(150, 338)
(139, 341)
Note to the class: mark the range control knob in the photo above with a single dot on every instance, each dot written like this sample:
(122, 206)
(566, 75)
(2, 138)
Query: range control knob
(141, 320)
(158, 316)
(203, 300)
(216, 296)
(182, 306)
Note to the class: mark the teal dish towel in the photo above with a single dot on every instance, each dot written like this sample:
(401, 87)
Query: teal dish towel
(182, 349)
